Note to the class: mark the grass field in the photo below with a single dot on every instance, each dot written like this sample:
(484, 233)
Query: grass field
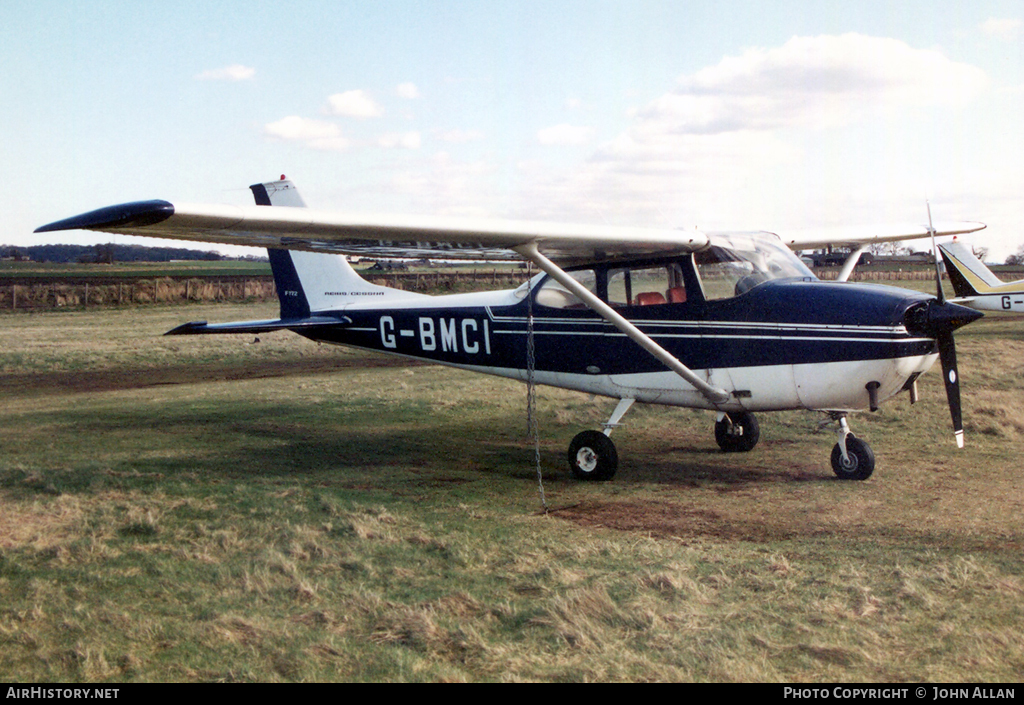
(51, 271)
(210, 509)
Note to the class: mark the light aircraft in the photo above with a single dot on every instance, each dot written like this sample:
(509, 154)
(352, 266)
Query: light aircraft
(975, 284)
(730, 322)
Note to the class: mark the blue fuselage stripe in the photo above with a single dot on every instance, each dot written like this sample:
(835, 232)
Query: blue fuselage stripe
(579, 342)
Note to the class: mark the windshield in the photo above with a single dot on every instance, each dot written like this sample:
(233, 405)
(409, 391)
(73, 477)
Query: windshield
(734, 264)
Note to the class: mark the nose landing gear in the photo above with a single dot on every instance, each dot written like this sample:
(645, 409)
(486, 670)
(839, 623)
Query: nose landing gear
(852, 458)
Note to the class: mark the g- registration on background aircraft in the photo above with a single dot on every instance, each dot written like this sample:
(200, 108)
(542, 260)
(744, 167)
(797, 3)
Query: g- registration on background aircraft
(730, 322)
(976, 285)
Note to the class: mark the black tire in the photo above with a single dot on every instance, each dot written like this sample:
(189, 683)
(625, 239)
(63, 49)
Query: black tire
(743, 434)
(860, 460)
(592, 457)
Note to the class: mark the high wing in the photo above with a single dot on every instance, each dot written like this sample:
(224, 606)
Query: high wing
(856, 236)
(379, 236)
(416, 237)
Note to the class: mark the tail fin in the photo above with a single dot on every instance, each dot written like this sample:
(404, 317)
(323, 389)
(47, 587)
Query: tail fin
(277, 193)
(308, 282)
(968, 275)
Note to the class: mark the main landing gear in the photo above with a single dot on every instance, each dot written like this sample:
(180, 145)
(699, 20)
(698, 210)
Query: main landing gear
(737, 431)
(592, 455)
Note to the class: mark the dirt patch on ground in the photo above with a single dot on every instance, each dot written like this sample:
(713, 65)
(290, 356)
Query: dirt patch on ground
(680, 522)
(665, 520)
(122, 379)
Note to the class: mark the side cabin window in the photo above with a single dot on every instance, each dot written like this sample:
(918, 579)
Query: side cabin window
(646, 285)
(553, 295)
(637, 285)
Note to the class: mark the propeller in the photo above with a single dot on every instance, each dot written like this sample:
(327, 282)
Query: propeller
(938, 319)
(940, 294)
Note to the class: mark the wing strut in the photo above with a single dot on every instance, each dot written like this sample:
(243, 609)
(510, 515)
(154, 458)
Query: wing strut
(530, 252)
(851, 262)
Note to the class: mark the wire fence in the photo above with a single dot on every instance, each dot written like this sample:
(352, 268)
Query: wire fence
(63, 293)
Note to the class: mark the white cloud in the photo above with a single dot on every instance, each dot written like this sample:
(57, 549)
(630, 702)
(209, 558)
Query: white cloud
(461, 136)
(445, 186)
(770, 137)
(725, 147)
(353, 104)
(1008, 29)
(649, 178)
(316, 134)
(400, 140)
(235, 72)
(565, 135)
(815, 82)
(409, 91)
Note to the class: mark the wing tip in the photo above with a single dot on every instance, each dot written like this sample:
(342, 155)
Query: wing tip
(137, 213)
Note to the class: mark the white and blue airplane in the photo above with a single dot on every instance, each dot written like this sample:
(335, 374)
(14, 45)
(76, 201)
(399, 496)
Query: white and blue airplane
(730, 322)
(976, 285)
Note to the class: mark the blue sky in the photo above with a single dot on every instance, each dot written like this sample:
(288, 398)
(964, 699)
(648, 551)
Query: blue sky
(719, 115)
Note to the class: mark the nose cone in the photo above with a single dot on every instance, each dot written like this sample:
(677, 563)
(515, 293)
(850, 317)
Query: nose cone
(934, 318)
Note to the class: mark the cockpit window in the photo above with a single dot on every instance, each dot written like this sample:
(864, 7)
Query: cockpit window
(735, 264)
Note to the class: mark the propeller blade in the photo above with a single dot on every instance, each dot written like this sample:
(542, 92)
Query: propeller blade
(938, 320)
(951, 377)
(940, 294)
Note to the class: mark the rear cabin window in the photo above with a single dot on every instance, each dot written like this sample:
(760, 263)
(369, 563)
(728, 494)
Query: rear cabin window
(646, 286)
(553, 295)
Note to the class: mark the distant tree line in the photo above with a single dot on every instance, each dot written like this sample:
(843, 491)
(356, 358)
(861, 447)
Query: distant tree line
(104, 254)
(1017, 257)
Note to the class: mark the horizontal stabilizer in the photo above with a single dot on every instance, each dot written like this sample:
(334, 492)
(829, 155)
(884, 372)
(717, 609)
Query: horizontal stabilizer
(204, 328)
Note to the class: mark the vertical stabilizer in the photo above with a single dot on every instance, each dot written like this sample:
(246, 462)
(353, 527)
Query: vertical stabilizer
(968, 275)
(308, 282)
(277, 193)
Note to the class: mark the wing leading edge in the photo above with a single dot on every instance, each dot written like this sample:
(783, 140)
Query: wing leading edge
(866, 235)
(416, 237)
(378, 236)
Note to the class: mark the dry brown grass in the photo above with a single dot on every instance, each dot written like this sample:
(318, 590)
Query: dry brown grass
(382, 524)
